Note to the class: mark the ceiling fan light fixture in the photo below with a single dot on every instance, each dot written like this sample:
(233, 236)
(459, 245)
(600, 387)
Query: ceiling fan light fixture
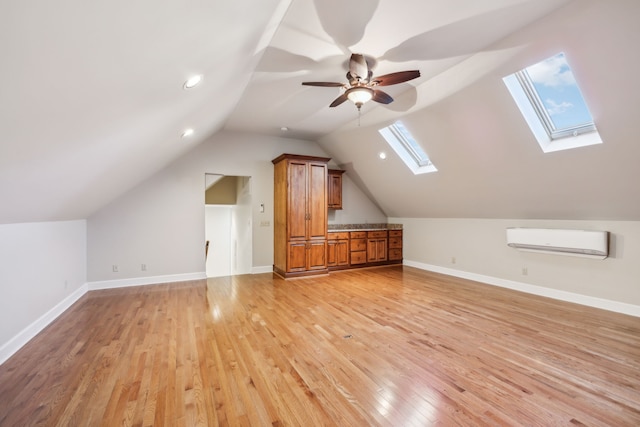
(360, 95)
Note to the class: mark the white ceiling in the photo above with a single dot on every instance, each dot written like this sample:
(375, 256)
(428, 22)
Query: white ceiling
(92, 100)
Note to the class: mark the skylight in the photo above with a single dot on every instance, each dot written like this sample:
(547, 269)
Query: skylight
(405, 146)
(551, 102)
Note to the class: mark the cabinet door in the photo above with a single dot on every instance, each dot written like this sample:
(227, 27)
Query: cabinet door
(382, 250)
(376, 250)
(317, 201)
(335, 189)
(297, 206)
(372, 250)
(332, 255)
(317, 255)
(297, 257)
(342, 252)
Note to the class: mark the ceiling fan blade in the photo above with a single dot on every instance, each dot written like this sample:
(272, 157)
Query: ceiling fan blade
(382, 97)
(358, 67)
(395, 78)
(339, 100)
(323, 84)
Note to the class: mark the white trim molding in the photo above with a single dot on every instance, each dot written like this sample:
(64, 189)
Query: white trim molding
(143, 281)
(262, 269)
(28, 333)
(604, 304)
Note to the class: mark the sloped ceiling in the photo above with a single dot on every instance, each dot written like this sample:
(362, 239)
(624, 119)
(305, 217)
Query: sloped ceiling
(489, 164)
(92, 99)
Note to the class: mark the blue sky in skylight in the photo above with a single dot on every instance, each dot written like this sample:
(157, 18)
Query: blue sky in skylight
(559, 92)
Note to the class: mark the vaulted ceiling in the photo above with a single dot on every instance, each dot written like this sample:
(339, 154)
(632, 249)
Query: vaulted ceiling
(92, 99)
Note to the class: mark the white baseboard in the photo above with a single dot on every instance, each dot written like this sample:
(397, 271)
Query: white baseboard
(262, 269)
(18, 341)
(28, 333)
(615, 306)
(141, 281)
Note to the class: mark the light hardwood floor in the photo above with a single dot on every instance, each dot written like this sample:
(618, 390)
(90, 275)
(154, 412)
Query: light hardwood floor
(389, 346)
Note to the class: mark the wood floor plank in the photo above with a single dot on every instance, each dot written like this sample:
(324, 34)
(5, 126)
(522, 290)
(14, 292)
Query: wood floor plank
(384, 347)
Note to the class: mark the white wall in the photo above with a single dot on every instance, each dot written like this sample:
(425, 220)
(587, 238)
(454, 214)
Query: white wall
(242, 229)
(357, 208)
(161, 222)
(42, 272)
(218, 233)
(479, 247)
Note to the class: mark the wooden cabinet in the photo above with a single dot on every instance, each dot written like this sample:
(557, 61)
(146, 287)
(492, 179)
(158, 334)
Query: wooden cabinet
(338, 250)
(300, 215)
(395, 245)
(358, 247)
(365, 248)
(376, 246)
(334, 187)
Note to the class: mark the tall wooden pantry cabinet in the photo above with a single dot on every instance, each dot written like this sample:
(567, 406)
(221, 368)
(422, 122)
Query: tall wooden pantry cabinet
(300, 215)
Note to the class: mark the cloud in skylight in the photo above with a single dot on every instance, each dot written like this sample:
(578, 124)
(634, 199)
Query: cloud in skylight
(554, 107)
(552, 72)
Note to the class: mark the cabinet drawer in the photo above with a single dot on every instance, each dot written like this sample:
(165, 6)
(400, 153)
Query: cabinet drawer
(333, 235)
(395, 233)
(359, 257)
(395, 242)
(358, 234)
(395, 254)
(376, 234)
(358, 245)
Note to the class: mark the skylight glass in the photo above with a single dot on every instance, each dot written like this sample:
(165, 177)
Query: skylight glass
(551, 102)
(405, 146)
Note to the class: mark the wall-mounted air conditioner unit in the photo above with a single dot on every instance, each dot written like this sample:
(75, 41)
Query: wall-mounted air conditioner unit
(583, 243)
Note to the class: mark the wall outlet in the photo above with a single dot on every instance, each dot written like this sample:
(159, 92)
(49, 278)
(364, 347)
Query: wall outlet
(143, 267)
(525, 271)
(453, 260)
(265, 223)
(114, 268)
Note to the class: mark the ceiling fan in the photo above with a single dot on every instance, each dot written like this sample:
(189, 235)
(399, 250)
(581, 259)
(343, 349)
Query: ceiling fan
(362, 84)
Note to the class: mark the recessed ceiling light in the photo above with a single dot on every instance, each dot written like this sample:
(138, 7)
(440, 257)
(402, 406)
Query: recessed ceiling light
(382, 155)
(193, 81)
(187, 133)
(284, 129)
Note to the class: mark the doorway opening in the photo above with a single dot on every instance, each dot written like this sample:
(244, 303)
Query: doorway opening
(228, 225)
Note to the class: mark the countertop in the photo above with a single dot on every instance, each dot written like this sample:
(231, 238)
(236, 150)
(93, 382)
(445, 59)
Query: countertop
(363, 227)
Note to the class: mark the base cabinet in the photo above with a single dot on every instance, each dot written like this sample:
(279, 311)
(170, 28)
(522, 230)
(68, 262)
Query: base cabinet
(365, 248)
(338, 250)
(395, 245)
(307, 256)
(358, 248)
(376, 246)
